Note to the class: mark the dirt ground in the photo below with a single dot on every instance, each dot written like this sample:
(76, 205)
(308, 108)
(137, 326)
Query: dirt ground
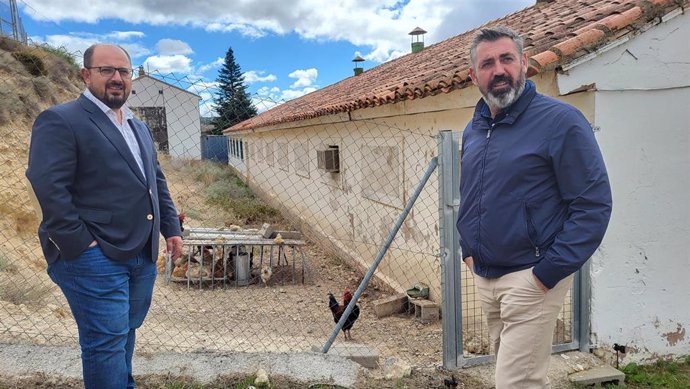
(283, 316)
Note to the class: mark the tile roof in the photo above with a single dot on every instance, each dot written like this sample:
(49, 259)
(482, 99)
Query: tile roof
(555, 32)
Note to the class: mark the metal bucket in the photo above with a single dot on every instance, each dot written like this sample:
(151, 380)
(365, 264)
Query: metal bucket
(242, 269)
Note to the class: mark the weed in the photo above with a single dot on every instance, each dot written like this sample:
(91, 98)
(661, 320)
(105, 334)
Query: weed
(10, 106)
(61, 52)
(33, 63)
(228, 192)
(227, 188)
(8, 44)
(193, 213)
(665, 374)
(209, 172)
(44, 89)
(20, 292)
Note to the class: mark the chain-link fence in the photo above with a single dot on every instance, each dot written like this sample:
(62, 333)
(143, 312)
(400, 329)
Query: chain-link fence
(301, 209)
(11, 24)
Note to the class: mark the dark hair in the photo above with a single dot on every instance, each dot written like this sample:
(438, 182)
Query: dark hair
(491, 35)
(88, 54)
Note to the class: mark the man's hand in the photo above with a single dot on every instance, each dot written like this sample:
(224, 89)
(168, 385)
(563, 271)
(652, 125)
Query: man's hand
(539, 284)
(173, 245)
(469, 261)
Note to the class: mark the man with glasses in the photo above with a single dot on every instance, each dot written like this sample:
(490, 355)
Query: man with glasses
(105, 201)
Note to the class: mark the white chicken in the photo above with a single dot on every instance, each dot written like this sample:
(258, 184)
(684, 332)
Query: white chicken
(266, 274)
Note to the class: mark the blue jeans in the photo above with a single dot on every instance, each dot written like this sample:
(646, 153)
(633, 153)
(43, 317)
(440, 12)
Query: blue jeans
(109, 301)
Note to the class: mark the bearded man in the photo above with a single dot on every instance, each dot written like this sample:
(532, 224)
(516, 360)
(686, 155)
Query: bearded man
(104, 202)
(535, 202)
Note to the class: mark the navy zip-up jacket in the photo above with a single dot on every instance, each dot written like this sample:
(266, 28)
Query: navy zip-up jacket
(534, 191)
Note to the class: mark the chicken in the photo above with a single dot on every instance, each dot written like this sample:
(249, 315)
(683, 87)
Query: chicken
(197, 271)
(450, 383)
(266, 274)
(337, 311)
(181, 216)
(160, 263)
(278, 239)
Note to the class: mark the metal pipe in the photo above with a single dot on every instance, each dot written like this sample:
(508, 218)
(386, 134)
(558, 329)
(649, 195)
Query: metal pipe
(389, 239)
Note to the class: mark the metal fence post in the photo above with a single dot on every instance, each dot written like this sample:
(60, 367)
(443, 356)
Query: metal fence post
(449, 201)
(581, 298)
(15, 19)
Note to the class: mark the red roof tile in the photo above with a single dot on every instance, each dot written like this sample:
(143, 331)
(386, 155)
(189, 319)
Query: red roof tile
(555, 33)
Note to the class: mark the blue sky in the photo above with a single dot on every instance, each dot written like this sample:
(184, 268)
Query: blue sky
(285, 48)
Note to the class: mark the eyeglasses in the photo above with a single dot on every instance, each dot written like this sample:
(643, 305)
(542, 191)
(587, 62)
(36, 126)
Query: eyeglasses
(109, 71)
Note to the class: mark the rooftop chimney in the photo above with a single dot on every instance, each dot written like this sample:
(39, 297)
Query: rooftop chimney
(141, 71)
(358, 69)
(417, 36)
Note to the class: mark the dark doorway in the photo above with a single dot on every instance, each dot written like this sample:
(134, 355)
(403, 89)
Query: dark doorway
(155, 118)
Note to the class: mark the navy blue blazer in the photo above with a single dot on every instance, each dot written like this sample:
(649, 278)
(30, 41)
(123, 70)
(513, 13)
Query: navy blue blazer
(89, 186)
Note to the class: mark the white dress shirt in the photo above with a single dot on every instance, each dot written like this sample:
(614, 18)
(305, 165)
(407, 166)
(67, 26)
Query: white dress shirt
(123, 127)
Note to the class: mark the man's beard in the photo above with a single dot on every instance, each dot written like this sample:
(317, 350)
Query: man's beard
(113, 101)
(503, 98)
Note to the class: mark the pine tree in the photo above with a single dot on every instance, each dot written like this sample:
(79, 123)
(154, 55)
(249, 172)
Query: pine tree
(233, 105)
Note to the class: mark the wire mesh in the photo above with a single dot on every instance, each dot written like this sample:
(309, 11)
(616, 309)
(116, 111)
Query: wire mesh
(336, 182)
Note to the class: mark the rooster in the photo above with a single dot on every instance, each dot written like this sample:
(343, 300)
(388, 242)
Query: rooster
(181, 216)
(337, 311)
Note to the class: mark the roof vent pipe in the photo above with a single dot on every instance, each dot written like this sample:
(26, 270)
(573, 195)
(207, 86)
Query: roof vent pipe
(417, 36)
(358, 70)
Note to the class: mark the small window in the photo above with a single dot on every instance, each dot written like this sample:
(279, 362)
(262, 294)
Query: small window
(329, 159)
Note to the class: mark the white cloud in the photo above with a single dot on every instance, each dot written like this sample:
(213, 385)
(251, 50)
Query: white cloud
(213, 65)
(290, 94)
(382, 25)
(305, 77)
(135, 51)
(173, 47)
(124, 35)
(269, 97)
(77, 42)
(254, 76)
(165, 64)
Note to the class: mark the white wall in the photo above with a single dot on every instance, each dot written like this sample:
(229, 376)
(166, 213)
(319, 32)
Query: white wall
(641, 273)
(182, 112)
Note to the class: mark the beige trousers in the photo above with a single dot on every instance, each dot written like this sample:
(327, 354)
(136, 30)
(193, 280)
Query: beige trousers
(521, 320)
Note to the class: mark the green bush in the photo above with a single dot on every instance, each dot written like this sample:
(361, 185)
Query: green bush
(665, 374)
(209, 172)
(62, 53)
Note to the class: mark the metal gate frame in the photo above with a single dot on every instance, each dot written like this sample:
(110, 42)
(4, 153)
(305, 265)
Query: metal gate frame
(449, 202)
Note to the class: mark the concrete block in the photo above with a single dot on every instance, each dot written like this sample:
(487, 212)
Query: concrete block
(266, 231)
(390, 305)
(425, 311)
(598, 376)
(362, 354)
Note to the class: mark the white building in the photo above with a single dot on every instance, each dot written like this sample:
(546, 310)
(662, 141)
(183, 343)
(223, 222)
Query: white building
(171, 113)
(624, 64)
